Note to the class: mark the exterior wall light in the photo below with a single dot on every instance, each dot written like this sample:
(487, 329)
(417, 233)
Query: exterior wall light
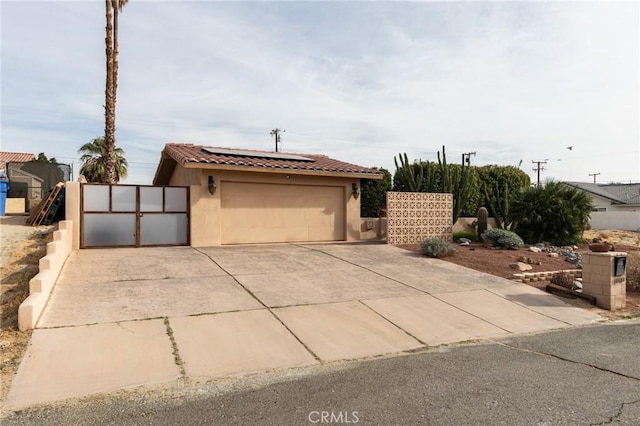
(212, 185)
(355, 191)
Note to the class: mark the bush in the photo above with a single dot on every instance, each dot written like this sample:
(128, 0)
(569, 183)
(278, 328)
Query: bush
(633, 271)
(553, 213)
(437, 247)
(373, 194)
(465, 234)
(502, 238)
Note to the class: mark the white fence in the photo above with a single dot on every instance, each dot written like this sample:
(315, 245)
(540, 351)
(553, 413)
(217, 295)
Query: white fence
(626, 221)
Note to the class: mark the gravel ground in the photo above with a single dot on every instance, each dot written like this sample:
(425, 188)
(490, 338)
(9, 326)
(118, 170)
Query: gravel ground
(22, 248)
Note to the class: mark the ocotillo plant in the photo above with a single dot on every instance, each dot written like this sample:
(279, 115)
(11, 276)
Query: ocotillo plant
(412, 173)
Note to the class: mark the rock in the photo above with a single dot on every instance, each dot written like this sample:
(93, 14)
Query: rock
(553, 255)
(464, 243)
(534, 249)
(464, 240)
(537, 262)
(578, 284)
(521, 266)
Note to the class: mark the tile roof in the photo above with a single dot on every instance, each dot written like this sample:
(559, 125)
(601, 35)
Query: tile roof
(16, 157)
(188, 153)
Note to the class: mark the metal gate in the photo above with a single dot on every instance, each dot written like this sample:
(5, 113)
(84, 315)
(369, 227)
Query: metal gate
(133, 215)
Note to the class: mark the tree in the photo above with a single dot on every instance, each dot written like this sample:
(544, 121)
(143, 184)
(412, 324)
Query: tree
(113, 8)
(553, 213)
(94, 162)
(374, 194)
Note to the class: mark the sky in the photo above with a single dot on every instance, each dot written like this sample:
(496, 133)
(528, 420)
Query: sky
(515, 82)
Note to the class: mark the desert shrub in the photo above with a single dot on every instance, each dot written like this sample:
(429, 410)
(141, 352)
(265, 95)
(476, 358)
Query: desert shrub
(563, 279)
(502, 238)
(554, 213)
(437, 247)
(374, 194)
(465, 234)
(633, 271)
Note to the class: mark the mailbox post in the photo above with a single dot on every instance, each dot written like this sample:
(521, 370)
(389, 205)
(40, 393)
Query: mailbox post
(604, 276)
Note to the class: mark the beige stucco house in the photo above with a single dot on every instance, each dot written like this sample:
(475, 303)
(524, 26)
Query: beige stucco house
(243, 196)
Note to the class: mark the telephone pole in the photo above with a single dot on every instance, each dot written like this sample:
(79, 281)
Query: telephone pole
(594, 176)
(539, 168)
(276, 133)
(466, 157)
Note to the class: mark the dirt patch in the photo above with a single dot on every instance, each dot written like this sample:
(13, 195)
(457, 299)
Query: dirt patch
(22, 248)
(496, 262)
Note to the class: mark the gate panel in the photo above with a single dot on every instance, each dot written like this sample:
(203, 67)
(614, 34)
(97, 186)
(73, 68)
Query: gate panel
(134, 215)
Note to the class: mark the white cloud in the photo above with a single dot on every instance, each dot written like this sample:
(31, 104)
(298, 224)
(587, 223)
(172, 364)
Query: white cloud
(356, 81)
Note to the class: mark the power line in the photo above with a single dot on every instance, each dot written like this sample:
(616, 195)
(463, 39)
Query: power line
(539, 168)
(276, 132)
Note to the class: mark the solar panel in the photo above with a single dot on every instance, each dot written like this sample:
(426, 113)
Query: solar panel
(269, 155)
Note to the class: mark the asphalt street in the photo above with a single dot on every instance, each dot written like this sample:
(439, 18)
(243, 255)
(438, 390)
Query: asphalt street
(581, 376)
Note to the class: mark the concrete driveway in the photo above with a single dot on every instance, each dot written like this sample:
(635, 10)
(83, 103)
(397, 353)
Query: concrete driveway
(119, 318)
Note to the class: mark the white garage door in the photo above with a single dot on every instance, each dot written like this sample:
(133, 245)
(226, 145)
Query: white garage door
(270, 213)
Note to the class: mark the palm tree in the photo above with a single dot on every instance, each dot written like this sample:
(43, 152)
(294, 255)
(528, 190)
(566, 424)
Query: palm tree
(555, 213)
(94, 162)
(111, 40)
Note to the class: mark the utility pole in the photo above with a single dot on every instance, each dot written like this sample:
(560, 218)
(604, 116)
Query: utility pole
(276, 133)
(594, 176)
(539, 168)
(466, 157)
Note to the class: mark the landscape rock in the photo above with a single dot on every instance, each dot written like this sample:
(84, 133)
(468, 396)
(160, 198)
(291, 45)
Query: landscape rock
(465, 243)
(535, 249)
(521, 266)
(464, 240)
(553, 255)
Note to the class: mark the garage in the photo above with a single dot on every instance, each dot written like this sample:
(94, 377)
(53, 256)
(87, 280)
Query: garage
(269, 213)
(240, 196)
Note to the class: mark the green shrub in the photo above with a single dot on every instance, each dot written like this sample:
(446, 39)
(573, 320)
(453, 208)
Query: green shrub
(555, 213)
(374, 194)
(465, 234)
(633, 271)
(502, 238)
(437, 247)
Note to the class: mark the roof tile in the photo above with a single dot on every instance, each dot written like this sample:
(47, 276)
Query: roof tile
(188, 153)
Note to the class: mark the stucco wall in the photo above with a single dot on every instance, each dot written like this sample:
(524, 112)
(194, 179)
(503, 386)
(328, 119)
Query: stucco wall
(601, 202)
(41, 285)
(624, 220)
(378, 230)
(72, 211)
(467, 224)
(414, 216)
(206, 208)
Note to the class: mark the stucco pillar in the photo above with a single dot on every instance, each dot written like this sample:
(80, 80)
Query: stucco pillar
(602, 278)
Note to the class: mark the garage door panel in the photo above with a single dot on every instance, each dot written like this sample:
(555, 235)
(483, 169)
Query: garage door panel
(265, 213)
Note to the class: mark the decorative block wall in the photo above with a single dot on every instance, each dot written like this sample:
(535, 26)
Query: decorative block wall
(414, 216)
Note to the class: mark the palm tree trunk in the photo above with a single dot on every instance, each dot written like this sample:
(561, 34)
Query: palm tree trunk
(110, 95)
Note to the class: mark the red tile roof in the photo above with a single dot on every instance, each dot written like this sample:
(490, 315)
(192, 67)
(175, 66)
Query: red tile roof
(188, 153)
(16, 157)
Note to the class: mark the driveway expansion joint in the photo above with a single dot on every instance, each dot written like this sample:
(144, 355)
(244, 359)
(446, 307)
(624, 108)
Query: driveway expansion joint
(394, 324)
(176, 352)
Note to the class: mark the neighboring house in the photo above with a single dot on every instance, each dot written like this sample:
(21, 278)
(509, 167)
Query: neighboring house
(14, 157)
(243, 196)
(616, 206)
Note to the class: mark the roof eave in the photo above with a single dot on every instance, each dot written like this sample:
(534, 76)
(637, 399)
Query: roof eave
(213, 166)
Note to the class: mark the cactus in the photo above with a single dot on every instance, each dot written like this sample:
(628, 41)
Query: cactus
(481, 217)
(498, 202)
(455, 181)
(413, 179)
